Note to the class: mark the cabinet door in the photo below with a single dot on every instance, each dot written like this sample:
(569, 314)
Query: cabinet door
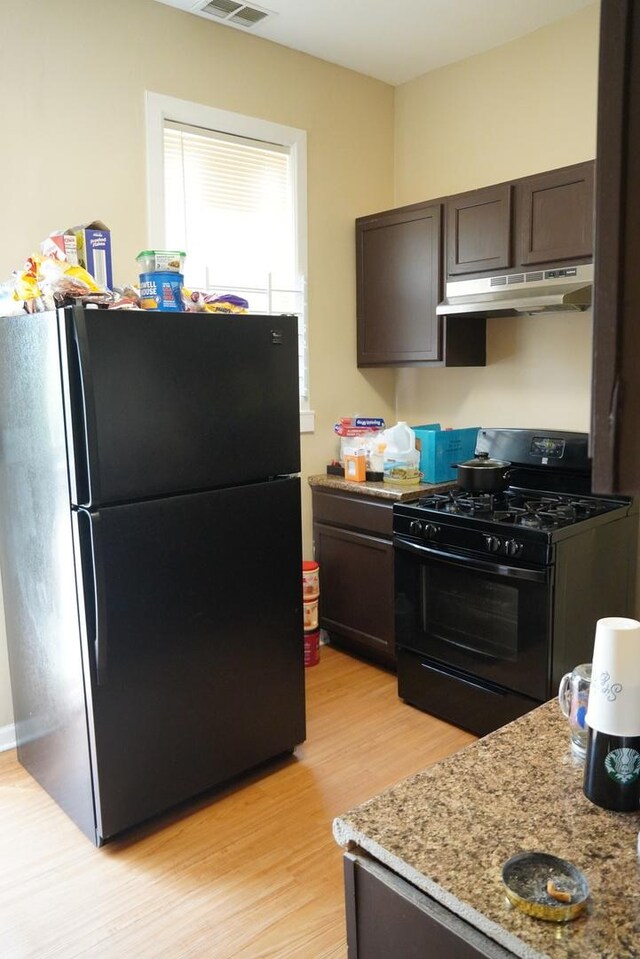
(616, 343)
(479, 231)
(387, 918)
(356, 589)
(555, 215)
(398, 286)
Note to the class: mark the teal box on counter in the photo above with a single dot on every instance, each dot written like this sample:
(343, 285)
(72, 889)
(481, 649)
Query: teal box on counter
(440, 448)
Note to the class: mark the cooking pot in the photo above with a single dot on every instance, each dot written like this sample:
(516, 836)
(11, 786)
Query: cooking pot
(482, 474)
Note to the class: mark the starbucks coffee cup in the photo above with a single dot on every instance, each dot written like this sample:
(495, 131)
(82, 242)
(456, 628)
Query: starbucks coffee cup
(612, 763)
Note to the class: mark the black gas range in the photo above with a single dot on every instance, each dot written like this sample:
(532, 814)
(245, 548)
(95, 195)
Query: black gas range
(498, 594)
(514, 523)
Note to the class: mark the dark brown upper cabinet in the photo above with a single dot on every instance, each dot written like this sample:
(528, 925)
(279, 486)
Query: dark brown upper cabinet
(399, 285)
(479, 231)
(536, 221)
(528, 224)
(555, 216)
(399, 281)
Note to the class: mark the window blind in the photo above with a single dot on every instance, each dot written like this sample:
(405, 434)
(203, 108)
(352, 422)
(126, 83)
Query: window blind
(229, 203)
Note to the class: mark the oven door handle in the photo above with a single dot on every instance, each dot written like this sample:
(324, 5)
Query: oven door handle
(485, 687)
(470, 562)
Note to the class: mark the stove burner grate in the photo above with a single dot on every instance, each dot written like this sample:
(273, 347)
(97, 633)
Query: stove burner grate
(530, 509)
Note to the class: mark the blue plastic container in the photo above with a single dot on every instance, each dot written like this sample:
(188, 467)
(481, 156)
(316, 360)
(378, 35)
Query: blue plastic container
(161, 291)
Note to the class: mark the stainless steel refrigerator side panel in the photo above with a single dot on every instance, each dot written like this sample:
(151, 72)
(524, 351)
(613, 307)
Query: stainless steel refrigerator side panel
(38, 568)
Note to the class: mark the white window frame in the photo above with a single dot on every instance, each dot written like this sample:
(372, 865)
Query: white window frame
(160, 108)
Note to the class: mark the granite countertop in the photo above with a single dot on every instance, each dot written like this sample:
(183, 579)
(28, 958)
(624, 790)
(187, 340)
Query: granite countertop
(449, 829)
(382, 490)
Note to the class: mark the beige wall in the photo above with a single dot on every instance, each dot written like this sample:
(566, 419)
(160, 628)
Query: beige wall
(525, 107)
(76, 152)
(73, 76)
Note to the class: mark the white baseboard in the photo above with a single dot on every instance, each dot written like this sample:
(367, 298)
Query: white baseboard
(7, 737)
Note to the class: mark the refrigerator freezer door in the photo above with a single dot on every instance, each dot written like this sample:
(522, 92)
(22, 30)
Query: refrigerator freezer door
(175, 402)
(195, 632)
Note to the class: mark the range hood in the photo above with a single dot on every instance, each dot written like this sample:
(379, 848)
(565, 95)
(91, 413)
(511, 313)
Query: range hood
(539, 291)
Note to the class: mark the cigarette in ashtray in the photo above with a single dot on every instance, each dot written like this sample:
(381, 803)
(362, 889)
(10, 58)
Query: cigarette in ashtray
(556, 893)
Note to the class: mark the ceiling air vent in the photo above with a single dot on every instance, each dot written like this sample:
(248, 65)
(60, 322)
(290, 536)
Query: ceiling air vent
(237, 14)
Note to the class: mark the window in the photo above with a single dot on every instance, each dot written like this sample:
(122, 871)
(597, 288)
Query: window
(230, 190)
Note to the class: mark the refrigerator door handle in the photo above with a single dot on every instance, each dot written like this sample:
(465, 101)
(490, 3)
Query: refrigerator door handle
(86, 424)
(99, 599)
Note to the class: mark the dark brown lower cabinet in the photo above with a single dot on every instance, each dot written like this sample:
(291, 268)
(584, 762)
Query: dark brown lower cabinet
(388, 918)
(352, 544)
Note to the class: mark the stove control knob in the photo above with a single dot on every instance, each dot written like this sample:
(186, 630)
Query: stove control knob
(431, 531)
(512, 547)
(492, 543)
(416, 527)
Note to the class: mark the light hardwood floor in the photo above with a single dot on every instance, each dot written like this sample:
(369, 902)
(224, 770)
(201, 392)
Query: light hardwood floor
(250, 871)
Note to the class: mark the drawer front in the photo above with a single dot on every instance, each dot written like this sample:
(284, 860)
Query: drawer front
(468, 703)
(356, 512)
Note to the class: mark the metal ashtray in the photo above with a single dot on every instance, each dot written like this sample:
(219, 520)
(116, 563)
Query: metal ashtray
(526, 877)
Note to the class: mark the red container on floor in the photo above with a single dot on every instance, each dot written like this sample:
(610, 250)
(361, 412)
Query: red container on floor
(310, 615)
(310, 579)
(312, 648)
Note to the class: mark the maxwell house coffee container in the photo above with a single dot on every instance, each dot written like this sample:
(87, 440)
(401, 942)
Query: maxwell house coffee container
(310, 580)
(312, 648)
(310, 614)
(161, 290)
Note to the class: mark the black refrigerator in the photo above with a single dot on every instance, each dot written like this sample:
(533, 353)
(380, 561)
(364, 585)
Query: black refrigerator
(150, 549)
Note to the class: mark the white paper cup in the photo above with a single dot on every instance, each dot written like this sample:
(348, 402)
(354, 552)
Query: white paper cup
(614, 695)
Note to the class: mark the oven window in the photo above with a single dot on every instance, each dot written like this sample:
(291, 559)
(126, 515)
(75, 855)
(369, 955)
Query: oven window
(484, 622)
(479, 614)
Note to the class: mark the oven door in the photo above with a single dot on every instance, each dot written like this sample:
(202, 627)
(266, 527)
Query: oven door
(485, 620)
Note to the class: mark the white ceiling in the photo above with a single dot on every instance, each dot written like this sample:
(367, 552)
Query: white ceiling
(397, 40)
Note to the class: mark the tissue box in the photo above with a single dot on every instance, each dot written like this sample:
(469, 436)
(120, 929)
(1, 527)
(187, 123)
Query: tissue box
(440, 448)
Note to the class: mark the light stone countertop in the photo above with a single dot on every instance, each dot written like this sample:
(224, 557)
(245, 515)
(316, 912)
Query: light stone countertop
(449, 829)
(382, 490)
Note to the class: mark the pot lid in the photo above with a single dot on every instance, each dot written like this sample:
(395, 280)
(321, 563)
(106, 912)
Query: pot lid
(483, 461)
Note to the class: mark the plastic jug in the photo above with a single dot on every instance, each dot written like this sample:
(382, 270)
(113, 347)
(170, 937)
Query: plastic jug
(401, 458)
(400, 438)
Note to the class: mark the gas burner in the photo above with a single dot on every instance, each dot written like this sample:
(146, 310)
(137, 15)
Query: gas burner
(484, 504)
(586, 507)
(511, 514)
(548, 513)
(534, 502)
(452, 504)
(537, 513)
(537, 520)
(438, 501)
